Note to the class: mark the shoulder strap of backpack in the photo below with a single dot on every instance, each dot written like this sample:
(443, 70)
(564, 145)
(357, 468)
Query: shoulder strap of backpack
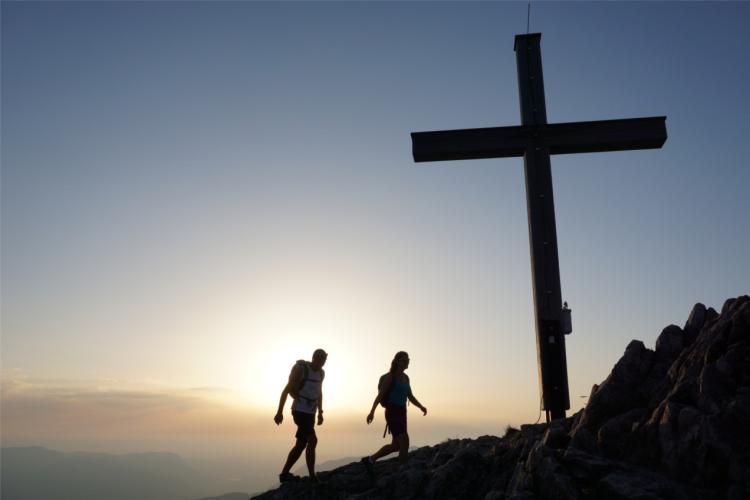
(305, 373)
(392, 384)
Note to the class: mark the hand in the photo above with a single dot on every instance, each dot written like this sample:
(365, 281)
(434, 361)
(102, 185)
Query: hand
(370, 416)
(278, 418)
(320, 419)
(424, 411)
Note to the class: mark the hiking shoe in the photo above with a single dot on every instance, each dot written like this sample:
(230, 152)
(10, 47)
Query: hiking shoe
(288, 477)
(369, 467)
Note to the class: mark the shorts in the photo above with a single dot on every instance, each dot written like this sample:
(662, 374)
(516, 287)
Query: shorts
(395, 417)
(305, 424)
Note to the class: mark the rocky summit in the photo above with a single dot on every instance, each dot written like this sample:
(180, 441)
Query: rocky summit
(670, 423)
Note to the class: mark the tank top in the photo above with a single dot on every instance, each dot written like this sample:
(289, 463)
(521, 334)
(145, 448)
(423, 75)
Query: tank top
(307, 399)
(399, 393)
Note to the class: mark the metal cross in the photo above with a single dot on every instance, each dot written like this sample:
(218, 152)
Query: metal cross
(536, 140)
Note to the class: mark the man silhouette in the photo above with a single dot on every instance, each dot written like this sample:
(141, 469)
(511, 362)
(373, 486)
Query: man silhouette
(305, 385)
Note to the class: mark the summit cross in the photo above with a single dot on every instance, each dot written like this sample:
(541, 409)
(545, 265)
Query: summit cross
(536, 140)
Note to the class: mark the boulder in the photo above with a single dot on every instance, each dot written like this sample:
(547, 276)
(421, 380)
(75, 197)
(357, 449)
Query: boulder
(669, 344)
(622, 390)
(695, 322)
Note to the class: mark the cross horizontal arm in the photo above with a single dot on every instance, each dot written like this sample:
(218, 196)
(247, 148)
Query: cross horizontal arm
(605, 135)
(469, 143)
(560, 138)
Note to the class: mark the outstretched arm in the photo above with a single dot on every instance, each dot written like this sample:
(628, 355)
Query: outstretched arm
(416, 403)
(294, 379)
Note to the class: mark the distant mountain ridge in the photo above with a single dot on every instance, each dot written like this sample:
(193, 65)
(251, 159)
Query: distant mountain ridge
(672, 423)
(229, 496)
(34, 473)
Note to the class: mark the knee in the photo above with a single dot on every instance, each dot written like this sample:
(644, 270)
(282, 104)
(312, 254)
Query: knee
(300, 445)
(312, 441)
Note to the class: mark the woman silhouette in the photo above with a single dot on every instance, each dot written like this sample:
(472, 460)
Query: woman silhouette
(393, 391)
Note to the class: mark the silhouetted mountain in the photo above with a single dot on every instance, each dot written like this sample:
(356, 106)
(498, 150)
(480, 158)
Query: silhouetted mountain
(38, 473)
(670, 423)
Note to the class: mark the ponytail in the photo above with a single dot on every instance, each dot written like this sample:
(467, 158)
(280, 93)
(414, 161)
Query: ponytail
(396, 358)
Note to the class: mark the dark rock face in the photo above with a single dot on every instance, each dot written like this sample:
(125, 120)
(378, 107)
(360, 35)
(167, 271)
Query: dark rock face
(671, 423)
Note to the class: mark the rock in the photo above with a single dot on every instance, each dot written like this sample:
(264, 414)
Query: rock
(711, 315)
(668, 429)
(457, 477)
(615, 437)
(523, 496)
(441, 457)
(738, 415)
(622, 390)
(695, 322)
(553, 482)
(741, 323)
(687, 420)
(404, 484)
(536, 455)
(587, 466)
(520, 481)
(556, 436)
(727, 306)
(669, 343)
(737, 492)
(629, 486)
(582, 439)
(715, 388)
(739, 472)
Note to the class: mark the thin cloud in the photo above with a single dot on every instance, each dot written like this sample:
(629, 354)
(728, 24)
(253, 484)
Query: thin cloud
(37, 407)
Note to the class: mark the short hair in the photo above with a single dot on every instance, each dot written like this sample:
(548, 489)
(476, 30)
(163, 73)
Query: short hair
(320, 352)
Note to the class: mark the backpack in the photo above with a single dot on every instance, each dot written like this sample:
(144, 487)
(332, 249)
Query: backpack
(381, 386)
(305, 376)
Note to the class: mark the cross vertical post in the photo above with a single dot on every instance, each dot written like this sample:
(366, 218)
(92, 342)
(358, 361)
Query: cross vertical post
(545, 267)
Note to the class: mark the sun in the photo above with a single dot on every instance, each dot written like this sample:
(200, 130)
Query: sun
(280, 332)
(269, 374)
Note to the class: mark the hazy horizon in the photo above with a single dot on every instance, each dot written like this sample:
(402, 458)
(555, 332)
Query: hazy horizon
(185, 421)
(206, 427)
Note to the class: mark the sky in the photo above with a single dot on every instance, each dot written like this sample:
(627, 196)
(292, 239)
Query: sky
(195, 195)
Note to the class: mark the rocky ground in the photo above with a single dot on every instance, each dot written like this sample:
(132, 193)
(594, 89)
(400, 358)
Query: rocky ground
(670, 423)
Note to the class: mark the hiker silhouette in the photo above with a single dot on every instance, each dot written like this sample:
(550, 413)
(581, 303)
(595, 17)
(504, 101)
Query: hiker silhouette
(394, 389)
(305, 386)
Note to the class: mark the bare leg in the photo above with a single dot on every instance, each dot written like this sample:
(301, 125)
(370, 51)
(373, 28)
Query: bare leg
(403, 448)
(385, 450)
(312, 442)
(294, 454)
